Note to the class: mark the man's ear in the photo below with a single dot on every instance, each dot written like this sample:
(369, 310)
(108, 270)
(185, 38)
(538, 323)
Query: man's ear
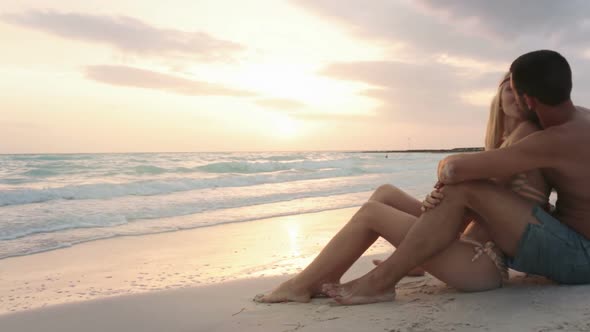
(531, 102)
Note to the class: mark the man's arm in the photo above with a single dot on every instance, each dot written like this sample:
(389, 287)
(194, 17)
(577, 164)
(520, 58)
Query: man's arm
(538, 150)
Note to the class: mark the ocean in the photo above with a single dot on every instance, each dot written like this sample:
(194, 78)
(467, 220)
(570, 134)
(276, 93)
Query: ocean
(50, 201)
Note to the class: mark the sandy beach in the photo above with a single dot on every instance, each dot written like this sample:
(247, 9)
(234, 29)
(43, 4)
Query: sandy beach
(204, 280)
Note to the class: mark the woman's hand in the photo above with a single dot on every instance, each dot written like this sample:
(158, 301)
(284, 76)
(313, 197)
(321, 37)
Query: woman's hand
(432, 200)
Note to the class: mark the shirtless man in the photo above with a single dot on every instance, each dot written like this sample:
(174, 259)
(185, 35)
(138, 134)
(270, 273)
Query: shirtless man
(554, 245)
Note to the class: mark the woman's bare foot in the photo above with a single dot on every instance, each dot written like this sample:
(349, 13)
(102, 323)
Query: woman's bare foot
(286, 292)
(358, 291)
(415, 272)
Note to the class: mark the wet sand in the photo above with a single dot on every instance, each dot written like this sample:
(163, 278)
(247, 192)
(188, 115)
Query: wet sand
(204, 280)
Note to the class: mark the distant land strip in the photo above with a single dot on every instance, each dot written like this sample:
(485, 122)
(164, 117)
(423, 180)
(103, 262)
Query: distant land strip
(455, 150)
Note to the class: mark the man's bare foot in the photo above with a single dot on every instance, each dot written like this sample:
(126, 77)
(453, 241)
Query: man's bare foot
(415, 272)
(286, 292)
(358, 291)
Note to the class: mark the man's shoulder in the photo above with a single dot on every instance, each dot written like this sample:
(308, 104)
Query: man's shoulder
(577, 128)
(553, 136)
(561, 141)
(543, 142)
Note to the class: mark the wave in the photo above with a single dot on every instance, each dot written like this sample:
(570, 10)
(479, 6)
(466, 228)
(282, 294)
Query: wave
(21, 221)
(40, 172)
(159, 187)
(149, 169)
(40, 242)
(244, 167)
(36, 168)
(36, 172)
(51, 157)
(178, 191)
(251, 167)
(53, 225)
(15, 181)
(53, 239)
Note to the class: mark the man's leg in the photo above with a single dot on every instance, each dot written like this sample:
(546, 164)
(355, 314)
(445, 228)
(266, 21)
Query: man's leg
(504, 213)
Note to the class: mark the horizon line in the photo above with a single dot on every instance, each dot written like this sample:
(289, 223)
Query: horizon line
(253, 151)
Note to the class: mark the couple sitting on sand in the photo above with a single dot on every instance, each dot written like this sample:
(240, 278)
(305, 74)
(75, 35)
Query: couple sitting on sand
(495, 202)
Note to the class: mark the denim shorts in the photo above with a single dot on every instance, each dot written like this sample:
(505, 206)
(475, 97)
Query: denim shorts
(553, 250)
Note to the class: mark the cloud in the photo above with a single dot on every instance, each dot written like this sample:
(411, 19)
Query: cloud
(432, 93)
(426, 107)
(442, 59)
(400, 23)
(508, 19)
(126, 34)
(399, 74)
(479, 29)
(281, 104)
(141, 78)
(419, 93)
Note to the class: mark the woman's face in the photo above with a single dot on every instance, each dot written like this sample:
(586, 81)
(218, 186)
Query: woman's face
(509, 104)
(508, 101)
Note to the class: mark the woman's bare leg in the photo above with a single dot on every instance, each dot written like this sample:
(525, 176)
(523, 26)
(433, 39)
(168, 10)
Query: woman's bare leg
(397, 198)
(375, 219)
(336, 257)
(386, 194)
(454, 265)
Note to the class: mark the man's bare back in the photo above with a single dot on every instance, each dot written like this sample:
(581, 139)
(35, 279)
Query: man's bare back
(570, 175)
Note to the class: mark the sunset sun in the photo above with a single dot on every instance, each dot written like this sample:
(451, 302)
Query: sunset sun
(285, 127)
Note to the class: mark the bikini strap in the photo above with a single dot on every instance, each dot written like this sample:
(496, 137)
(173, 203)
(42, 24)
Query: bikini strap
(491, 250)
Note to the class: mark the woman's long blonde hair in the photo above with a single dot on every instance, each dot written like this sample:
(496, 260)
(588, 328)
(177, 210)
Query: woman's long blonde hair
(495, 127)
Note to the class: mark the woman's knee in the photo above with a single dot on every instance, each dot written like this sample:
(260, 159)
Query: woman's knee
(368, 211)
(384, 193)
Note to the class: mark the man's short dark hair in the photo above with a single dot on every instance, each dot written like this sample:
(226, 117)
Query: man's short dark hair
(543, 74)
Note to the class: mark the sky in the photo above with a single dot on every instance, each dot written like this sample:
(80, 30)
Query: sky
(267, 75)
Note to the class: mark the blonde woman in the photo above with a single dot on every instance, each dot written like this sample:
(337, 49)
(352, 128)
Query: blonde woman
(471, 263)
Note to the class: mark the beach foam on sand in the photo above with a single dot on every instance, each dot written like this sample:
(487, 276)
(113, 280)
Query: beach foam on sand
(204, 280)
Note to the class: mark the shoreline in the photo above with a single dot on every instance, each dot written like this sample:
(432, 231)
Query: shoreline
(163, 261)
(72, 244)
